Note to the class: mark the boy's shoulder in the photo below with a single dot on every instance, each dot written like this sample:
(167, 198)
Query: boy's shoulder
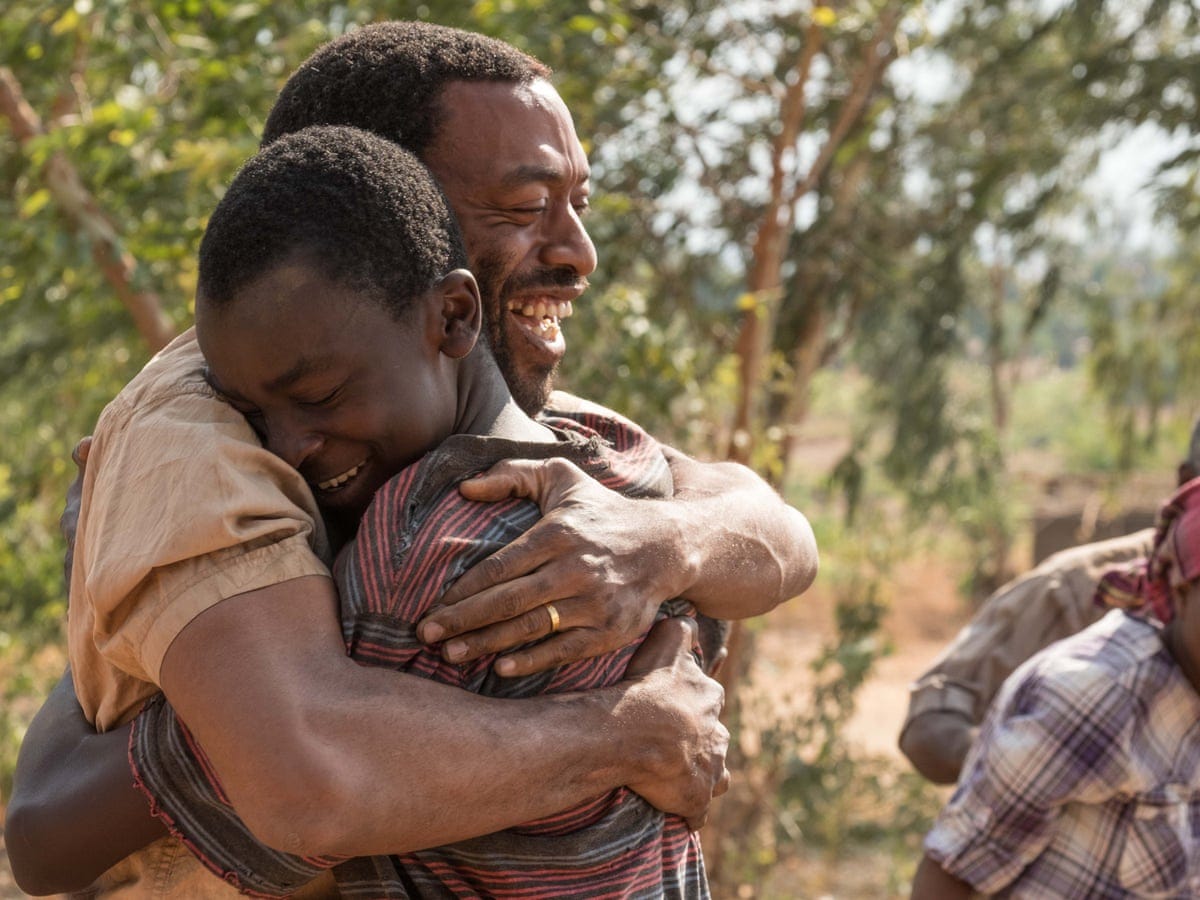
(1104, 665)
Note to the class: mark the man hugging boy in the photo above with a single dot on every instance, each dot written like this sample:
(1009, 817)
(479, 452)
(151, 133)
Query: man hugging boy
(335, 312)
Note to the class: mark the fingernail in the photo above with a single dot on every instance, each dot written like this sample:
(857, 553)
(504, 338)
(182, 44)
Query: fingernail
(456, 650)
(506, 667)
(431, 632)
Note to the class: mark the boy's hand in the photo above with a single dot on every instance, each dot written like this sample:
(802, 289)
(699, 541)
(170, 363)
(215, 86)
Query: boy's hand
(596, 568)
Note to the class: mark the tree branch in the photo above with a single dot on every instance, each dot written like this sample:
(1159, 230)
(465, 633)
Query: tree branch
(880, 53)
(84, 213)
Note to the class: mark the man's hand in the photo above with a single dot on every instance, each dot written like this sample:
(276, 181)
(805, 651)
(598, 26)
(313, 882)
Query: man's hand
(687, 768)
(68, 522)
(606, 562)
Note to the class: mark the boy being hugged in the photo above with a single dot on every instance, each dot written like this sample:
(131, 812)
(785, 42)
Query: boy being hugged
(335, 312)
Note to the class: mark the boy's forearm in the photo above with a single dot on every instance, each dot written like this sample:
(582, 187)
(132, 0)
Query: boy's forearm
(752, 551)
(74, 812)
(932, 882)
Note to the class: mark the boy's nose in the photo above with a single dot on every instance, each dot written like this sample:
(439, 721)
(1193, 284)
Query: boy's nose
(294, 447)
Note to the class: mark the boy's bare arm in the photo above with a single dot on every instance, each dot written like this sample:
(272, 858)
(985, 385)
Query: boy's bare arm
(932, 882)
(322, 756)
(74, 810)
(726, 541)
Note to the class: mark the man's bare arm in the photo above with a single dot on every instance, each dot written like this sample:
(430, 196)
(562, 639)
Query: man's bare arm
(747, 538)
(74, 810)
(322, 756)
(726, 541)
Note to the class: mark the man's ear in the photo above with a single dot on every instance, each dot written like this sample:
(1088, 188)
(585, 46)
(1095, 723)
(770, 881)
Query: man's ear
(461, 313)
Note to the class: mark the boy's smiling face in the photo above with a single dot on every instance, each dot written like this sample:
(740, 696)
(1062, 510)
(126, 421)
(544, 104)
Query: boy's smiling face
(333, 383)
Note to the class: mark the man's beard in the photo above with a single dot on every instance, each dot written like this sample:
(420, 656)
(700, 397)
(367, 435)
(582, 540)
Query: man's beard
(529, 383)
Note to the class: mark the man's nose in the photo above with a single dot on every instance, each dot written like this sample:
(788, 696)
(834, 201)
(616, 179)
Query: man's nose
(568, 244)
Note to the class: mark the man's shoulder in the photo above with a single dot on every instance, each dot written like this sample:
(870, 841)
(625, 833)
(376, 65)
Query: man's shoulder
(564, 403)
(1070, 575)
(1091, 560)
(574, 413)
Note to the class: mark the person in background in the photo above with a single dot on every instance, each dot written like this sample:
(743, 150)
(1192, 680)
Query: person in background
(1055, 600)
(1085, 778)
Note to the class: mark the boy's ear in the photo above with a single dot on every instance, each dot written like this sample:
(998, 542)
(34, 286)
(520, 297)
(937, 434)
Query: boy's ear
(461, 313)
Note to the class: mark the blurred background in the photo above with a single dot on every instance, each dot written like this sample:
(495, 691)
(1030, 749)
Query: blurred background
(927, 266)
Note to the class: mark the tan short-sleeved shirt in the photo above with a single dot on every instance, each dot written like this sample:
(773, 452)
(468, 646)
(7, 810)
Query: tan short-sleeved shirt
(1052, 602)
(181, 508)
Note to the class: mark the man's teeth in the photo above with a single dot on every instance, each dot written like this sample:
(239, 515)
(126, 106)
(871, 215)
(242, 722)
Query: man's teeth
(338, 480)
(543, 309)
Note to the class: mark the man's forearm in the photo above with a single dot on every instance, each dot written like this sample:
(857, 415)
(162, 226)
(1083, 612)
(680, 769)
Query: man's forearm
(322, 756)
(749, 550)
(936, 742)
(444, 765)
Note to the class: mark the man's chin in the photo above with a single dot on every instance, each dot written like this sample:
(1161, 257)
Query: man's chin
(531, 389)
(537, 348)
(529, 364)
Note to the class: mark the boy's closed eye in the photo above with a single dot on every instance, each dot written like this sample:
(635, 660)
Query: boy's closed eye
(322, 399)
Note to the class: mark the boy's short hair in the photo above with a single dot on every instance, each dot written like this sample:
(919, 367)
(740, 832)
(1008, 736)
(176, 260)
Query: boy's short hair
(360, 210)
(387, 78)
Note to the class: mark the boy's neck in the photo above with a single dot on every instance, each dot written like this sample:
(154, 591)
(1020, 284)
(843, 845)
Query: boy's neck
(486, 407)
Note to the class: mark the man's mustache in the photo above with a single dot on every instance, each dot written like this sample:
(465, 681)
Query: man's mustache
(548, 278)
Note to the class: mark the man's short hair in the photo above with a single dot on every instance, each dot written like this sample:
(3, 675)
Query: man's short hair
(387, 78)
(360, 210)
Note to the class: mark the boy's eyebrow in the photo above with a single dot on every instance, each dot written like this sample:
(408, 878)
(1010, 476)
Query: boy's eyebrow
(305, 365)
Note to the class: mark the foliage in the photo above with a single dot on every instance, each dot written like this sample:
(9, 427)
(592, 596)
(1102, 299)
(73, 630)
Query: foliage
(801, 782)
(653, 369)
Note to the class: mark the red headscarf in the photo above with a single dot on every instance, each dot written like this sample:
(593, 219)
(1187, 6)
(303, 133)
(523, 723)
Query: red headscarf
(1151, 584)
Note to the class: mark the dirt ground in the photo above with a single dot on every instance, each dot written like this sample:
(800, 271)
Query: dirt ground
(925, 614)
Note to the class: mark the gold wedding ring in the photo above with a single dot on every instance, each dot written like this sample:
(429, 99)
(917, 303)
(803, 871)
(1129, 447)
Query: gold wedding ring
(553, 617)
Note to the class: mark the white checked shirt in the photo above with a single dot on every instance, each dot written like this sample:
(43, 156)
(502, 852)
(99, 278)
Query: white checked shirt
(1085, 781)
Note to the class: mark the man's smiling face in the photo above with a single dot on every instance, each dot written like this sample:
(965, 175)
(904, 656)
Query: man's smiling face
(509, 161)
